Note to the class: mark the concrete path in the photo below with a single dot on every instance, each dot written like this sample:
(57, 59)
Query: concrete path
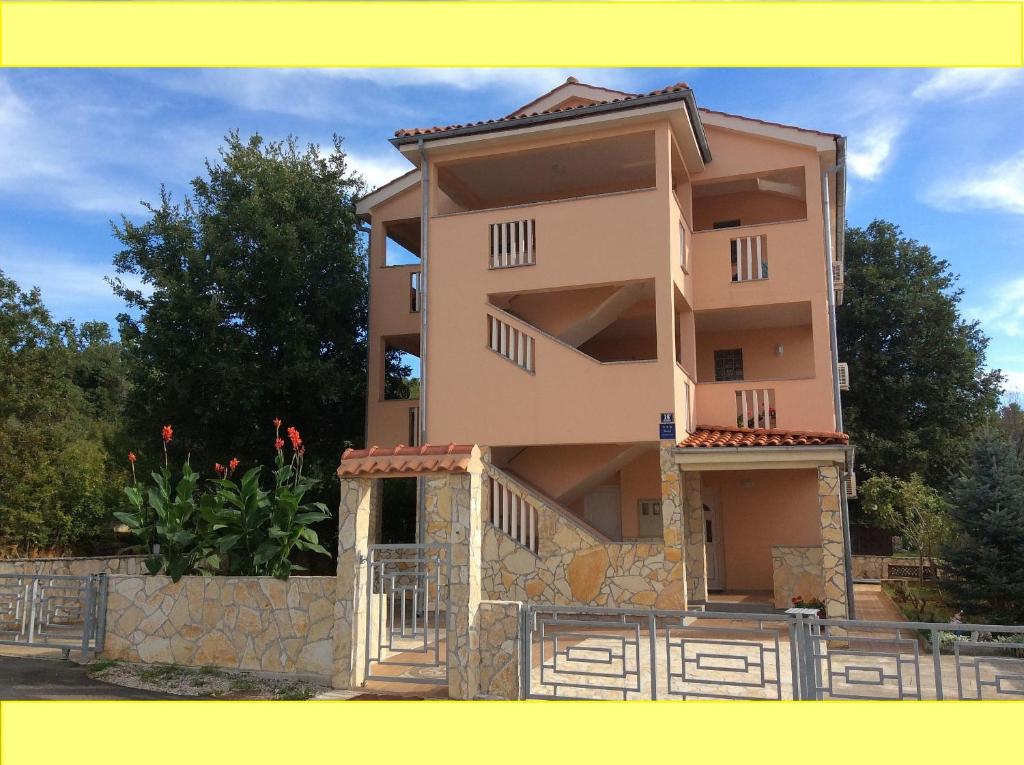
(33, 678)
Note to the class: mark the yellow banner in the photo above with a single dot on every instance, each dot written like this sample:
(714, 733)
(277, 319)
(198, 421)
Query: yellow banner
(577, 34)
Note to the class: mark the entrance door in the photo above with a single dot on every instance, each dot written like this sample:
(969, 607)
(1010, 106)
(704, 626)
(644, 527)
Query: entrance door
(601, 509)
(713, 539)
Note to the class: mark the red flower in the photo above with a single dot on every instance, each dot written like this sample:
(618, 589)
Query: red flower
(167, 433)
(219, 469)
(295, 438)
(131, 457)
(279, 443)
(233, 464)
(277, 423)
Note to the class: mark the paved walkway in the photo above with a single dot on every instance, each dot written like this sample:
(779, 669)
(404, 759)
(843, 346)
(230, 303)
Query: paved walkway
(35, 678)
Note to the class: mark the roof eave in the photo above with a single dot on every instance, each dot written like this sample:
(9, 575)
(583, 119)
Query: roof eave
(686, 96)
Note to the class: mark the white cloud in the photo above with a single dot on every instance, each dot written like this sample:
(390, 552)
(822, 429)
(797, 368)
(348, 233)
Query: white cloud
(378, 169)
(1014, 382)
(999, 186)
(870, 151)
(966, 84)
(67, 284)
(1003, 312)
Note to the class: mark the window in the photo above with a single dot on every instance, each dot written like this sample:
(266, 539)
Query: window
(414, 292)
(683, 253)
(726, 223)
(729, 365)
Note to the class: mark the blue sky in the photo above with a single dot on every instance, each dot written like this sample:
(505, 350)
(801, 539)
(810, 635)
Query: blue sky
(941, 152)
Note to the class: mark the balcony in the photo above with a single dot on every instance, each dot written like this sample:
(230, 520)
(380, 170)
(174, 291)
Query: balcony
(564, 242)
(759, 264)
(394, 421)
(785, 404)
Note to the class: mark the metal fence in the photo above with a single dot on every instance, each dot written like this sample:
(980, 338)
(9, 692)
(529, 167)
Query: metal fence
(604, 653)
(48, 610)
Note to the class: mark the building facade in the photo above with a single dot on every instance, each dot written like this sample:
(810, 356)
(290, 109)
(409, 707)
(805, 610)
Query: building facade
(627, 302)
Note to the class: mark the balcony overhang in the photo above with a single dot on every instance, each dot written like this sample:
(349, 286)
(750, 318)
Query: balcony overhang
(678, 107)
(760, 457)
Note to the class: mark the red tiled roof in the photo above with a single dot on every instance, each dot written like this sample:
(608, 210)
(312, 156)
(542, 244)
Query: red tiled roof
(406, 460)
(406, 132)
(768, 122)
(712, 436)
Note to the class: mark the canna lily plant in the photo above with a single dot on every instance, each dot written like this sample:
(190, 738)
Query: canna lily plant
(229, 526)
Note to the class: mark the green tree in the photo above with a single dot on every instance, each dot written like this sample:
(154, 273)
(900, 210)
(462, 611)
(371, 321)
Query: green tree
(1010, 422)
(255, 305)
(920, 387)
(61, 393)
(909, 507)
(985, 555)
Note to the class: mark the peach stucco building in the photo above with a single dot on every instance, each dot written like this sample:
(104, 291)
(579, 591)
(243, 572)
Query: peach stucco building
(627, 302)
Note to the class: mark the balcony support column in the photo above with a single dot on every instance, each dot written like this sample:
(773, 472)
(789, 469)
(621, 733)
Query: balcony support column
(673, 590)
(833, 562)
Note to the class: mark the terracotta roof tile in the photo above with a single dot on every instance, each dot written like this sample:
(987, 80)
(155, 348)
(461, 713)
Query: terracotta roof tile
(406, 132)
(406, 460)
(712, 436)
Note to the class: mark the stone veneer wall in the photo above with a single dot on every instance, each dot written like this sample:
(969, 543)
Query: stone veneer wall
(877, 566)
(573, 565)
(253, 623)
(498, 625)
(99, 564)
(832, 560)
(796, 571)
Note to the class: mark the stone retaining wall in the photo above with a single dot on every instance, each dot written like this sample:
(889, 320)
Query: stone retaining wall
(100, 564)
(254, 623)
(574, 566)
(877, 566)
(796, 571)
(498, 622)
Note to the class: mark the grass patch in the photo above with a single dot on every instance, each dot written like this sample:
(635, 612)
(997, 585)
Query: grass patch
(245, 683)
(161, 673)
(98, 666)
(293, 692)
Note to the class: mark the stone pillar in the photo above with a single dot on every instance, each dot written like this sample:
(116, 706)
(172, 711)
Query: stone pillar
(454, 513)
(693, 529)
(673, 590)
(358, 521)
(499, 622)
(833, 562)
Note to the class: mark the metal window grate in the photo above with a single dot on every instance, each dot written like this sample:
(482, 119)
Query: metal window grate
(729, 364)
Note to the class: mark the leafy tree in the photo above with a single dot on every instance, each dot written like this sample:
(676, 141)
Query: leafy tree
(985, 556)
(1010, 422)
(915, 511)
(254, 306)
(920, 387)
(61, 392)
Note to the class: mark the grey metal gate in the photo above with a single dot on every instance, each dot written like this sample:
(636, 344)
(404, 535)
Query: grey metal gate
(54, 611)
(408, 614)
(613, 653)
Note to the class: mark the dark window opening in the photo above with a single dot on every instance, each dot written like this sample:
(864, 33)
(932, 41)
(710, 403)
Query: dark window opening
(398, 511)
(726, 224)
(729, 365)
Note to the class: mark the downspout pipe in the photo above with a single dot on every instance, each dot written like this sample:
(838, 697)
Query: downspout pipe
(421, 515)
(839, 168)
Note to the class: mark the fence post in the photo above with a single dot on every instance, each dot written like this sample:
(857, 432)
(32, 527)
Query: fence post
(937, 663)
(652, 635)
(88, 624)
(525, 650)
(795, 655)
(101, 613)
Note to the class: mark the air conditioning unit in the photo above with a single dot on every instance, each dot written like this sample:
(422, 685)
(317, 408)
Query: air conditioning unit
(851, 485)
(837, 280)
(843, 372)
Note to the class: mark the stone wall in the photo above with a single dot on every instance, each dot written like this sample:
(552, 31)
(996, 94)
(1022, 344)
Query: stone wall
(498, 625)
(253, 623)
(573, 565)
(101, 564)
(833, 561)
(796, 571)
(877, 566)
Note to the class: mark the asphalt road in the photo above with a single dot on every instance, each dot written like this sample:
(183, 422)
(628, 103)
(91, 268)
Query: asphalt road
(30, 678)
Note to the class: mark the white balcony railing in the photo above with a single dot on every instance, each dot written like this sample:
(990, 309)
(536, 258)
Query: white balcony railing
(513, 515)
(513, 244)
(510, 342)
(414, 292)
(755, 408)
(749, 256)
